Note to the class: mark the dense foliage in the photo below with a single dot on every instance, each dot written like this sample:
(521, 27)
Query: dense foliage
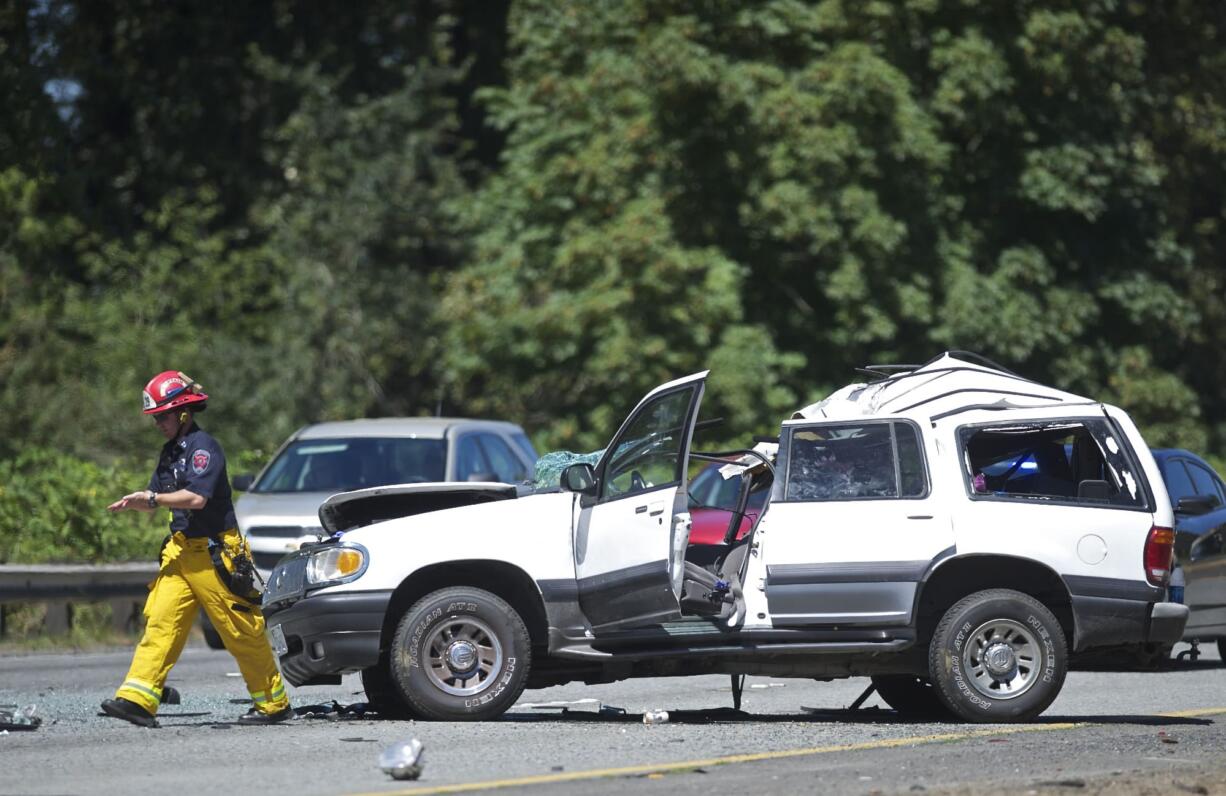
(537, 211)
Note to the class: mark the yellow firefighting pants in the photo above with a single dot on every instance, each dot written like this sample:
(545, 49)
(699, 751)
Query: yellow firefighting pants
(186, 582)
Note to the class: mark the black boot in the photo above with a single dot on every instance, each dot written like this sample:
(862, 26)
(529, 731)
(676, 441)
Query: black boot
(128, 710)
(254, 716)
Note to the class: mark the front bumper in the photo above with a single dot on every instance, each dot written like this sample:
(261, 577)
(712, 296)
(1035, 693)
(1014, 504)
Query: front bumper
(328, 635)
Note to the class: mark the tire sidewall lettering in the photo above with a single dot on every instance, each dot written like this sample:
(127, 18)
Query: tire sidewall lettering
(418, 631)
(955, 668)
(508, 671)
(1049, 648)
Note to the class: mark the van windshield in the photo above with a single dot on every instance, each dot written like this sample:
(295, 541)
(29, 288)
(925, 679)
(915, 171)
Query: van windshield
(343, 464)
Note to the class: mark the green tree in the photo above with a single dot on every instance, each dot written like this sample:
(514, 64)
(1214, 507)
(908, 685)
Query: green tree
(845, 183)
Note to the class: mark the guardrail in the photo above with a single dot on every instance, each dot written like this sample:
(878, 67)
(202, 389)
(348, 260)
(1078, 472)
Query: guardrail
(124, 586)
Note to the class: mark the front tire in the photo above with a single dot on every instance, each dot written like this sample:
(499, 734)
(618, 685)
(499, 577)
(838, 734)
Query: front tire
(998, 656)
(381, 693)
(460, 654)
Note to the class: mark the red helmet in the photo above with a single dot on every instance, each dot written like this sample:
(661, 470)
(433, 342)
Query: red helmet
(170, 389)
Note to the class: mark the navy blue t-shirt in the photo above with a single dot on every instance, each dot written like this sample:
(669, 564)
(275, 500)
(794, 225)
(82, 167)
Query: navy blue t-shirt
(195, 462)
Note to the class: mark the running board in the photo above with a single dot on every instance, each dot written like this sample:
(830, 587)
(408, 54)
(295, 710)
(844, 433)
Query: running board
(637, 646)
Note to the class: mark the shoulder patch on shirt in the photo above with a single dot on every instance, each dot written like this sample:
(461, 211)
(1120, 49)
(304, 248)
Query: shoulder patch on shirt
(200, 461)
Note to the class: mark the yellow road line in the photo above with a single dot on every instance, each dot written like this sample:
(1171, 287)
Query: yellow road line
(687, 765)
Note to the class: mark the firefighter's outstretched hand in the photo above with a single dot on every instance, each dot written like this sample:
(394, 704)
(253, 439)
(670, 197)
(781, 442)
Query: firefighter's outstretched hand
(135, 501)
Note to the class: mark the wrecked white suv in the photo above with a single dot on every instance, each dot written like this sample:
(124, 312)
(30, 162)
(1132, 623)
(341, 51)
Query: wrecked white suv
(952, 530)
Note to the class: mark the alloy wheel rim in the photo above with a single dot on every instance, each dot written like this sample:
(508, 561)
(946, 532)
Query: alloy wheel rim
(1002, 659)
(463, 656)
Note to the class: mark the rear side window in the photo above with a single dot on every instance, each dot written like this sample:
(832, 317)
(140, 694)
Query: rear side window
(1065, 461)
(855, 461)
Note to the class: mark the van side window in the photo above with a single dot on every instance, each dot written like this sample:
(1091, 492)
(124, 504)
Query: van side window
(1204, 481)
(1178, 482)
(1066, 461)
(855, 461)
(470, 461)
(507, 467)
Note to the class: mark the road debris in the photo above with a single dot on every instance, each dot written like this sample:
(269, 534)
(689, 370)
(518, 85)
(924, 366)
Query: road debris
(402, 760)
(576, 705)
(586, 706)
(25, 718)
(332, 711)
(655, 717)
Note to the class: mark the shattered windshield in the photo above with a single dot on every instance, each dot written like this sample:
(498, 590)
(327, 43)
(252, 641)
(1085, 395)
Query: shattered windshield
(549, 467)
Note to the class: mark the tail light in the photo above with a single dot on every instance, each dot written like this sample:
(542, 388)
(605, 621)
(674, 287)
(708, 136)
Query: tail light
(1157, 555)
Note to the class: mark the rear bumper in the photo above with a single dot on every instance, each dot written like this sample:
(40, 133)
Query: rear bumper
(328, 635)
(1166, 622)
(1108, 622)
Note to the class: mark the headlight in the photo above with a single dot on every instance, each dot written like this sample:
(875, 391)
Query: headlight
(336, 564)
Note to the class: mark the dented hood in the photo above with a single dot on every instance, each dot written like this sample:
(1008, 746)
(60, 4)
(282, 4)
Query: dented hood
(349, 510)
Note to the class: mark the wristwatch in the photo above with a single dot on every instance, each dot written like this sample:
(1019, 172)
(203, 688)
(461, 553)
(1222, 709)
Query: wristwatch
(153, 499)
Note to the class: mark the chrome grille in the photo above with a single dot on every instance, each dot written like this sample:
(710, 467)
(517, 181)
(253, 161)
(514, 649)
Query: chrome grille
(281, 531)
(286, 580)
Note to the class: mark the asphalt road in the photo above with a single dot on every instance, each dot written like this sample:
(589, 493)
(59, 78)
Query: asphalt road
(1124, 732)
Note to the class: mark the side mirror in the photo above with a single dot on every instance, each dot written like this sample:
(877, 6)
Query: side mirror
(579, 478)
(1196, 505)
(242, 483)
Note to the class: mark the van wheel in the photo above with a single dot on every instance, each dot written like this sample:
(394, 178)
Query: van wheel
(460, 654)
(998, 656)
(910, 695)
(381, 693)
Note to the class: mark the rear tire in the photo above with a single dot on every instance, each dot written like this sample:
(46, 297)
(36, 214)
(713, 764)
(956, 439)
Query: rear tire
(460, 654)
(911, 696)
(998, 656)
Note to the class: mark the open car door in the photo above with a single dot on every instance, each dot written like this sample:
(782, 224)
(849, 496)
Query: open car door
(631, 534)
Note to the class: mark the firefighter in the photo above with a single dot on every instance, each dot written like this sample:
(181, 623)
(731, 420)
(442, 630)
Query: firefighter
(205, 562)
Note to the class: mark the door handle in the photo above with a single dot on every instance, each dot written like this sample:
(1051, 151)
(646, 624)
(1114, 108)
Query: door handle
(919, 516)
(657, 508)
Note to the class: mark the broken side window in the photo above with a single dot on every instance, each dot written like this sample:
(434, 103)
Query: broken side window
(1065, 461)
(855, 461)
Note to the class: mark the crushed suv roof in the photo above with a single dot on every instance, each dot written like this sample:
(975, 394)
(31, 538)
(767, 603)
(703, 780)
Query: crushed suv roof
(952, 382)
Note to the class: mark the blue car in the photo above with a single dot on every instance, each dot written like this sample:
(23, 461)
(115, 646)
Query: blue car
(1198, 496)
